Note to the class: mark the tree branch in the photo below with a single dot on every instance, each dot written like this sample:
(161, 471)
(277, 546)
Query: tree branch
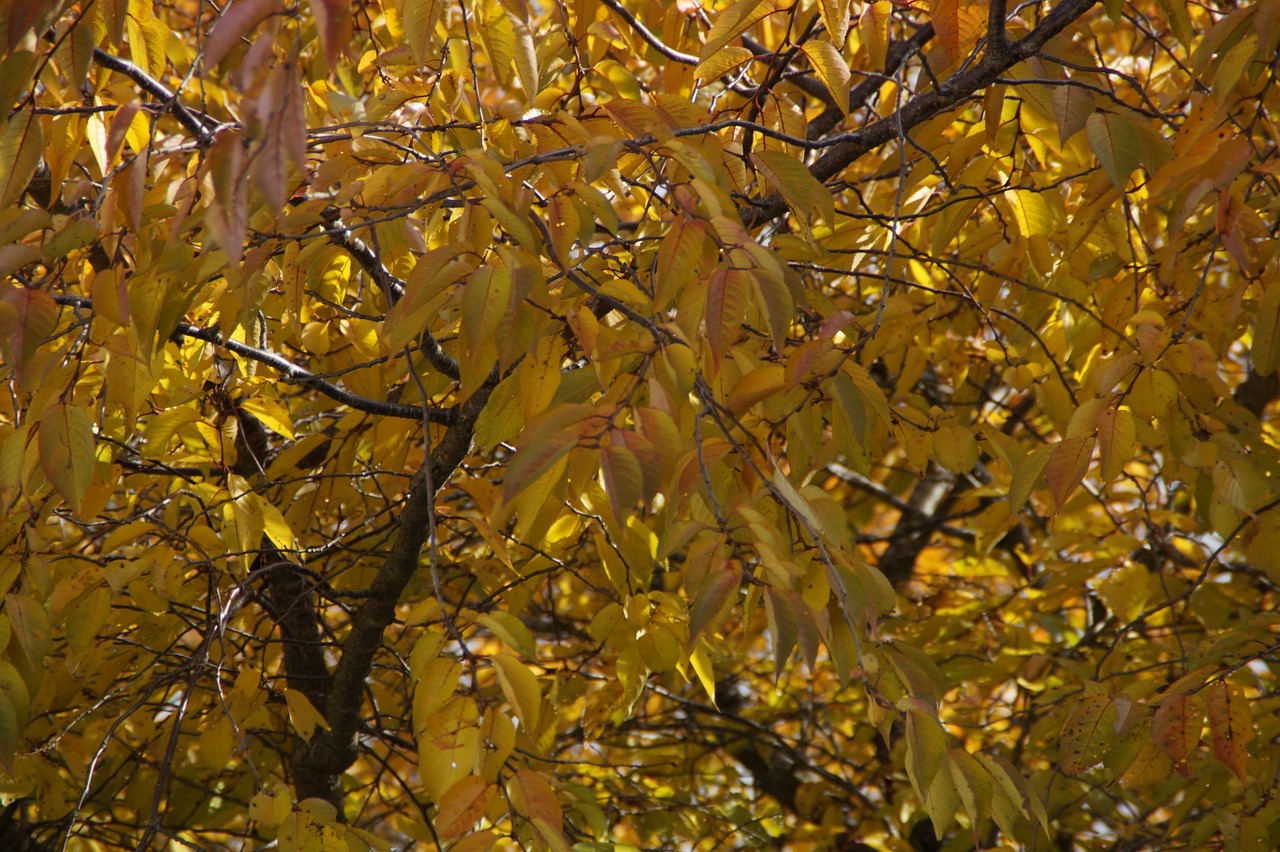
(292, 373)
(200, 125)
(359, 250)
(332, 751)
(925, 106)
(650, 39)
(997, 41)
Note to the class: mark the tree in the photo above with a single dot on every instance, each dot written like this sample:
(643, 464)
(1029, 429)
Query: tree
(624, 424)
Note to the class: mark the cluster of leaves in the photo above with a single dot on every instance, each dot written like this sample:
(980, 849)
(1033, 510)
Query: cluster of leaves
(614, 423)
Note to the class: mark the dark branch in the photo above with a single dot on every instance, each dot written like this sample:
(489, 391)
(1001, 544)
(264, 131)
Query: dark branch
(392, 286)
(951, 91)
(201, 126)
(334, 750)
(292, 373)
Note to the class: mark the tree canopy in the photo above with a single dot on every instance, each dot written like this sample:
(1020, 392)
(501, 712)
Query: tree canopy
(620, 424)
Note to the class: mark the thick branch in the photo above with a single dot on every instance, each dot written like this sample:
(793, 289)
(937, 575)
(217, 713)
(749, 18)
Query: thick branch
(925, 106)
(997, 41)
(334, 750)
(199, 125)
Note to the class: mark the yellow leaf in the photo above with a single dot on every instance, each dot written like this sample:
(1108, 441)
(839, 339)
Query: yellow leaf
(801, 190)
(955, 448)
(420, 19)
(835, 18)
(873, 26)
(1265, 351)
(732, 22)
(705, 671)
(1115, 143)
(276, 527)
(759, 384)
(67, 451)
(1031, 213)
(510, 630)
(21, 146)
(832, 70)
(722, 62)
(437, 684)
(303, 715)
(520, 686)
(926, 749)
(1125, 591)
(273, 414)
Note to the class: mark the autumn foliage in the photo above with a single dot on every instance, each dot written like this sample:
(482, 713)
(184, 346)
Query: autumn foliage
(622, 424)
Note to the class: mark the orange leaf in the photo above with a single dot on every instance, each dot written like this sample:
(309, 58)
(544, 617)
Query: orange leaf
(1230, 726)
(1066, 467)
(1177, 724)
(678, 259)
(726, 309)
(539, 800)
(464, 803)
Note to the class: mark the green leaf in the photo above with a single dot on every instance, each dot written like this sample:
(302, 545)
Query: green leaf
(1087, 734)
(926, 749)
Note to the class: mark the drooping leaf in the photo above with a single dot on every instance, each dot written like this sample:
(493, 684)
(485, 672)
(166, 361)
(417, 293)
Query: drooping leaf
(1177, 725)
(20, 148)
(67, 451)
(1087, 734)
(1230, 726)
(1115, 143)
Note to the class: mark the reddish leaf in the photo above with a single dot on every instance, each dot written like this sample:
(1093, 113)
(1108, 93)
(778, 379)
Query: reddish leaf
(1177, 724)
(1230, 726)
(27, 318)
(464, 803)
(237, 20)
(333, 21)
(1066, 467)
(726, 309)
